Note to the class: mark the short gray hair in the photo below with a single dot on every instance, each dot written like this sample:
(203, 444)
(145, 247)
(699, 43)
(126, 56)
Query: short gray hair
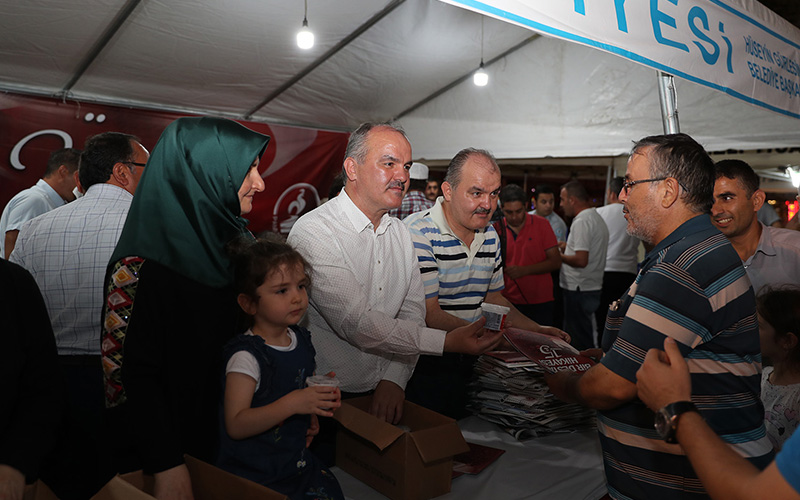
(357, 144)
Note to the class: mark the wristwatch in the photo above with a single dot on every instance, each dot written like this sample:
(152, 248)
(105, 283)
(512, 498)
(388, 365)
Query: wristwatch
(666, 422)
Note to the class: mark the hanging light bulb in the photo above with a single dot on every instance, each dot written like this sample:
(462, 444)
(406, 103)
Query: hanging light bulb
(481, 78)
(794, 175)
(305, 38)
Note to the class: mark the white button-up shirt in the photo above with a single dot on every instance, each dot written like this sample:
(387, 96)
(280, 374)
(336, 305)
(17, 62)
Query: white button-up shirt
(366, 303)
(67, 251)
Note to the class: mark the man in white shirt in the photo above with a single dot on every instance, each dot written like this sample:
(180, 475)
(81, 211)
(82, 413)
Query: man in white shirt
(67, 251)
(583, 260)
(366, 303)
(54, 189)
(622, 257)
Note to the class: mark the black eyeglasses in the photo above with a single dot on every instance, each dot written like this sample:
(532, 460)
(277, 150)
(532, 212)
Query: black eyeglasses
(134, 163)
(627, 185)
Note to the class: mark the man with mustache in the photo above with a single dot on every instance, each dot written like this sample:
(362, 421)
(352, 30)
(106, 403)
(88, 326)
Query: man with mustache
(459, 257)
(693, 289)
(770, 255)
(366, 302)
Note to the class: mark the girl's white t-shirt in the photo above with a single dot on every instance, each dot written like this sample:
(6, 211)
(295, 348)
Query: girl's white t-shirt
(246, 363)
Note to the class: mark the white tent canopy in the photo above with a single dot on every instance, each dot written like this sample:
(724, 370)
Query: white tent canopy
(374, 60)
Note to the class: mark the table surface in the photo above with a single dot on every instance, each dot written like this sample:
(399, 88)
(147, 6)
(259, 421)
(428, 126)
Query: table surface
(568, 466)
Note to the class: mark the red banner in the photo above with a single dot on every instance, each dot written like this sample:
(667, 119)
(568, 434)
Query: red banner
(298, 166)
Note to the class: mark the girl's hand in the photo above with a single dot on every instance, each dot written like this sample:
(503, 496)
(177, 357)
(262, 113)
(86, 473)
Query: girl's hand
(313, 430)
(316, 400)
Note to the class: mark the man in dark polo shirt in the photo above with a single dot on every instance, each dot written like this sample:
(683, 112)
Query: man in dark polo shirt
(692, 288)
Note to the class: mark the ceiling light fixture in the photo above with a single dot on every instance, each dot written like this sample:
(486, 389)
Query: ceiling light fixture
(794, 175)
(481, 77)
(305, 38)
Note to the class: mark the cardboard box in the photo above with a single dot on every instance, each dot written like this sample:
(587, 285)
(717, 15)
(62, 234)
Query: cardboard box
(116, 489)
(208, 483)
(403, 465)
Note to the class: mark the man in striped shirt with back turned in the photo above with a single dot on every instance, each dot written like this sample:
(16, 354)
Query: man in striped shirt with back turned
(459, 258)
(691, 287)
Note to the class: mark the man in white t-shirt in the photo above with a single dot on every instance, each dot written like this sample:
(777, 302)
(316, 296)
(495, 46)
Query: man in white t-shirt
(54, 189)
(622, 257)
(583, 261)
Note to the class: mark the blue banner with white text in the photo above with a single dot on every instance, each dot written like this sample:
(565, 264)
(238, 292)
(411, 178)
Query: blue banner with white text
(734, 46)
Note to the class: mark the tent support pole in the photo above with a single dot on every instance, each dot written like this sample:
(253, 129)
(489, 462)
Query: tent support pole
(324, 57)
(668, 99)
(101, 43)
(465, 77)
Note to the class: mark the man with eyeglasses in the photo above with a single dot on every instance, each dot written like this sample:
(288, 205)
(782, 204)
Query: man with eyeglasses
(67, 251)
(691, 288)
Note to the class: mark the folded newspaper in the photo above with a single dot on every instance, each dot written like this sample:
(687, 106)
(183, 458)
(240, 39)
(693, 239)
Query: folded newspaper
(551, 353)
(509, 387)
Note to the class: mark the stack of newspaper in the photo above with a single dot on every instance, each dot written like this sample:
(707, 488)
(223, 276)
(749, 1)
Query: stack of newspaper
(509, 389)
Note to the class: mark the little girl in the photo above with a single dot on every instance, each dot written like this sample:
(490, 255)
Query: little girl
(269, 415)
(779, 327)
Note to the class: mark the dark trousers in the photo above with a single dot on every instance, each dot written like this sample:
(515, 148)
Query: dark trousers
(614, 285)
(540, 313)
(579, 309)
(76, 469)
(440, 383)
(558, 301)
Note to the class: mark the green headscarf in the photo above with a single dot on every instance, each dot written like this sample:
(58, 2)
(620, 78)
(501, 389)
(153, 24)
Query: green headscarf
(186, 207)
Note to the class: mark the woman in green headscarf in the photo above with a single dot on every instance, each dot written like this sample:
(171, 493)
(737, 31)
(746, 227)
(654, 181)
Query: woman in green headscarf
(170, 299)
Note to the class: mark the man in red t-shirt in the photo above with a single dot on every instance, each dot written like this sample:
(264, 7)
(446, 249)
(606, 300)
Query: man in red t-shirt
(530, 254)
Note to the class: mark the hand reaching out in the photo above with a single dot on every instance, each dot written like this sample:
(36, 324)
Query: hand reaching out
(472, 339)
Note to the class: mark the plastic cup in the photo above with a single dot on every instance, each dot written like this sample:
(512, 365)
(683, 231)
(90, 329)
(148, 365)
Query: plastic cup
(495, 316)
(322, 380)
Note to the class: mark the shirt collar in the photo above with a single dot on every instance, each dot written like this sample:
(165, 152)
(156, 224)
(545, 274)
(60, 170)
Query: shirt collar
(696, 224)
(51, 193)
(101, 187)
(437, 216)
(357, 218)
(765, 244)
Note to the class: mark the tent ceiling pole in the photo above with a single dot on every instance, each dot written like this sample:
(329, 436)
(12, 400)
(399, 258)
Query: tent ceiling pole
(668, 98)
(465, 77)
(324, 57)
(120, 19)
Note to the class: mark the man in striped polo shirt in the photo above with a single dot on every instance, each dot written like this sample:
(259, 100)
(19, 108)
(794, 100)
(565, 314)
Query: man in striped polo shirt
(461, 265)
(692, 287)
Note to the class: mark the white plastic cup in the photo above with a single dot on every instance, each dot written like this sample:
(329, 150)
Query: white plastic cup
(495, 316)
(324, 381)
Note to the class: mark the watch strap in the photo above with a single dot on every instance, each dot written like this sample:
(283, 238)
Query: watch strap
(675, 410)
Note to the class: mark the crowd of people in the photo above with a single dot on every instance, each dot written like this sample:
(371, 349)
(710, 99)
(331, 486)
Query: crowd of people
(145, 322)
